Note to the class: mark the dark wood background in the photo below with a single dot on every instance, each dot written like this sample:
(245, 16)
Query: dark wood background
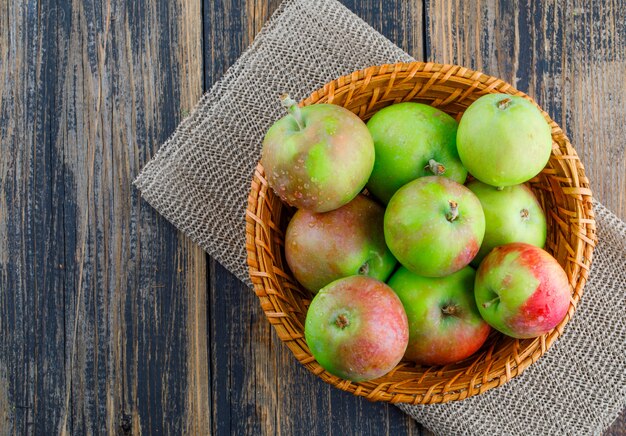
(110, 319)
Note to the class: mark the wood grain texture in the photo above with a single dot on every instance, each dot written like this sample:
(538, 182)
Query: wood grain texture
(258, 386)
(100, 327)
(570, 56)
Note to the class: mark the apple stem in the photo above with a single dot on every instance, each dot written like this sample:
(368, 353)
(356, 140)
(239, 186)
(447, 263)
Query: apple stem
(504, 103)
(342, 321)
(500, 188)
(293, 109)
(364, 269)
(453, 213)
(435, 167)
(486, 304)
(524, 214)
(450, 310)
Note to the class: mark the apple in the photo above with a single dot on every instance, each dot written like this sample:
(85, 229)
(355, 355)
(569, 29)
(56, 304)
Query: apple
(412, 140)
(323, 247)
(503, 140)
(356, 328)
(512, 214)
(318, 157)
(434, 226)
(521, 290)
(444, 323)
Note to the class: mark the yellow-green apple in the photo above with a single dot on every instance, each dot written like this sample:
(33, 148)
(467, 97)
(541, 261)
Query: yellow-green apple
(323, 247)
(318, 157)
(512, 214)
(444, 323)
(434, 226)
(356, 328)
(503, 140)
(412, 140)
(521, 290)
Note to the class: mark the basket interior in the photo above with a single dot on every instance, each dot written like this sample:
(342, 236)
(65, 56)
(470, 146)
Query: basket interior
(561, 188)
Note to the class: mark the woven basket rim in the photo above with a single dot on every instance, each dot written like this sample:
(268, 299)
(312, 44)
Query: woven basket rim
(266, 276)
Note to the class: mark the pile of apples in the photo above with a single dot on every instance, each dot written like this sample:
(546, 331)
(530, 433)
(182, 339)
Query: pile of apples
(423, 230)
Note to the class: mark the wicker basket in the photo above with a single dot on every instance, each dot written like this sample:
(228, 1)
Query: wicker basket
(562, 189)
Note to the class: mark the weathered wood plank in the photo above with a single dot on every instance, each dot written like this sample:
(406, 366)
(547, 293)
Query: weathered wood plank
(400, 21)
(31, 230)
(258, 386)
(145, 73)
(102, 307)
(568, 55)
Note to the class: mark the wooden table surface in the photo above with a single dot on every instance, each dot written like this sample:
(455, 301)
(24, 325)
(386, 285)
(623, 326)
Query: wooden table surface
(111, 320)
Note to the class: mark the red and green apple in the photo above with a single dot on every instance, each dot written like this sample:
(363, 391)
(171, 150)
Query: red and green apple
(521, 290)
(356, 328)
(323, 247)
(318, 157)
(444, 323)
(434, 226)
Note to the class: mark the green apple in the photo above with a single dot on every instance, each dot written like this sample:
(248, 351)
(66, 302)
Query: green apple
(356, 328)
(521, 290)
(323, 247)
(444, 323)
(512, 214)
(412, 140)
(318, 157)
(434, 226)
(503, 140)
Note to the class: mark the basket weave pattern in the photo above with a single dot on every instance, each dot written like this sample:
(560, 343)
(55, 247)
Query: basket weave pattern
(561, 188)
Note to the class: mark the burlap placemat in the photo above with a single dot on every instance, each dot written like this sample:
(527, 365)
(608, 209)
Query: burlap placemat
(199, 180)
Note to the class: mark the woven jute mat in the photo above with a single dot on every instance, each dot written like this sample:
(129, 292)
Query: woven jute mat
(199, 180)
